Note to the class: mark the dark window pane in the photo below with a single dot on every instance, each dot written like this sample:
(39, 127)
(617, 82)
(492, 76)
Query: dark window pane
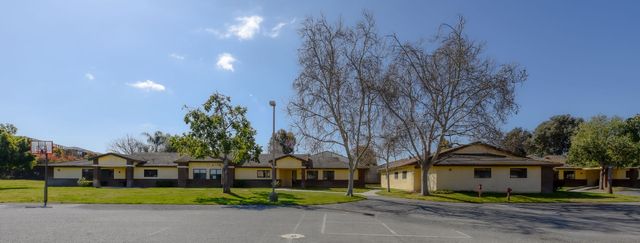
(312, 175)
(150, 173)
(404, 175)
(264, 174)
(570, 175)
(199, 174)
(328, 175)
(395, 175)
(482, 173)
(87, 174)
(518, 172)
(215, 174)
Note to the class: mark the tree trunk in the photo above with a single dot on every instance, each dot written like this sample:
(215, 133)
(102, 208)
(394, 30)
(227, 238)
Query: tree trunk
(388, 182)
(609, 180)
(350, 183)
(601, 182)
(424, 179)
(226, 188)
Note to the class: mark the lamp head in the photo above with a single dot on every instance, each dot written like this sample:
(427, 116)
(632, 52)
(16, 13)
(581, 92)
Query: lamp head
(272, 103)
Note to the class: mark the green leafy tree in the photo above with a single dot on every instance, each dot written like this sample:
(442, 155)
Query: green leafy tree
(283, 142)
(15, 156)
(518, 141)
(632, 127)
(602, 142)
(157, 141)
(553, 137)
(220, 130)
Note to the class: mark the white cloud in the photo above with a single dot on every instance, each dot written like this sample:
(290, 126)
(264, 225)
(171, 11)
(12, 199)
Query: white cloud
(89, 76)
(147, 85)
(244, 28)
(275, 31)
(176, 56)
(225, 61)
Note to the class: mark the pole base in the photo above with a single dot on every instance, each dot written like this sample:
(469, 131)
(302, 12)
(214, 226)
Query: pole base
(273, 197)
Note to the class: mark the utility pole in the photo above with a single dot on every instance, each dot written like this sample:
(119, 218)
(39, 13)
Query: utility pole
(273, 197)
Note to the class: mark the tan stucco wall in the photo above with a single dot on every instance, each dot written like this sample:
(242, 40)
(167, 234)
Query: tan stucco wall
(163, 172)
(408, 184)
(288, 162)
(67, 173)
(200, 165)
(249, 173)
(120, 173)
(461, 178)
(112, 161)
(620, 174)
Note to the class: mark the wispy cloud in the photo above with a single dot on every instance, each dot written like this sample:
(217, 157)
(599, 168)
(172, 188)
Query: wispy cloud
(225, 61)
(89, 76)
(147, 85)
(244, 28)
(176, 56)
(275, 31)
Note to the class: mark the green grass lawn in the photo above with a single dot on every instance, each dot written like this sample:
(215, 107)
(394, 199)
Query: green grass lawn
(29, 191)
(556, 197)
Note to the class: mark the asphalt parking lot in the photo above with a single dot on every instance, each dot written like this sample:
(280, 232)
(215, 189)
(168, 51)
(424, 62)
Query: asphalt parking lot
(374, 220)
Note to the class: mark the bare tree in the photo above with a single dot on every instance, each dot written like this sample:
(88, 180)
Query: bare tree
(334, 105)
(128, 145)
(387, 145)
(452, 91)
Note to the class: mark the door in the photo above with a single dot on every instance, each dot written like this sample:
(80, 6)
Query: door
(285, 178)
(106, 177)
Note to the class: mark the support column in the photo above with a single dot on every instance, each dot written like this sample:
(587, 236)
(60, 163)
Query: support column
(96, 173)
(183, 175)
(129, 173)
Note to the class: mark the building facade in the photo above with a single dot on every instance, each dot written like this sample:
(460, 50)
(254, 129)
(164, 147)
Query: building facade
(469, 167)
(172, 169)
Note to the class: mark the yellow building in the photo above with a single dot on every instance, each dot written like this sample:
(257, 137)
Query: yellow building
(468, 167)
(577, 176)
(324, 169)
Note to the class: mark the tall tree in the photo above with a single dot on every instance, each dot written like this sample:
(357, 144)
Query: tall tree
(333, 105)
(387, 145)
(369, 156)
(157, 141)
(518, 141)
(553, 137)
(220, 130)
(15, 156)
(602, 142)
(128, 145)
(452, 91)
(283, 142)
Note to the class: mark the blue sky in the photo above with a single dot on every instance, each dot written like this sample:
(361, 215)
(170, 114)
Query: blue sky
(83, 73)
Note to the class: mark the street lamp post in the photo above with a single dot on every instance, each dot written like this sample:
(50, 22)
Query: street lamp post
(273, 197)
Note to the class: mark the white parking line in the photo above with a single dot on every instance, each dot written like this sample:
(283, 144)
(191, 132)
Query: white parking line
(385, 225)
(158, 232)
(465, 235)
(324, 223)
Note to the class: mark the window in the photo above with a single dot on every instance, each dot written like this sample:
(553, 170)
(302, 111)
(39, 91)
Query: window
(87, 174)
(482, 173)
(395, 175)
(214, 174)
(628, 173)
(199, 174)
(328, 175)
(518, 172)
(569, 175)
(404, 174)
(150, 173)
(264, 174)
(312, 175)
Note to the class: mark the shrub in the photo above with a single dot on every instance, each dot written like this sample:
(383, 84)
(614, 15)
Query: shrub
(84, 182)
